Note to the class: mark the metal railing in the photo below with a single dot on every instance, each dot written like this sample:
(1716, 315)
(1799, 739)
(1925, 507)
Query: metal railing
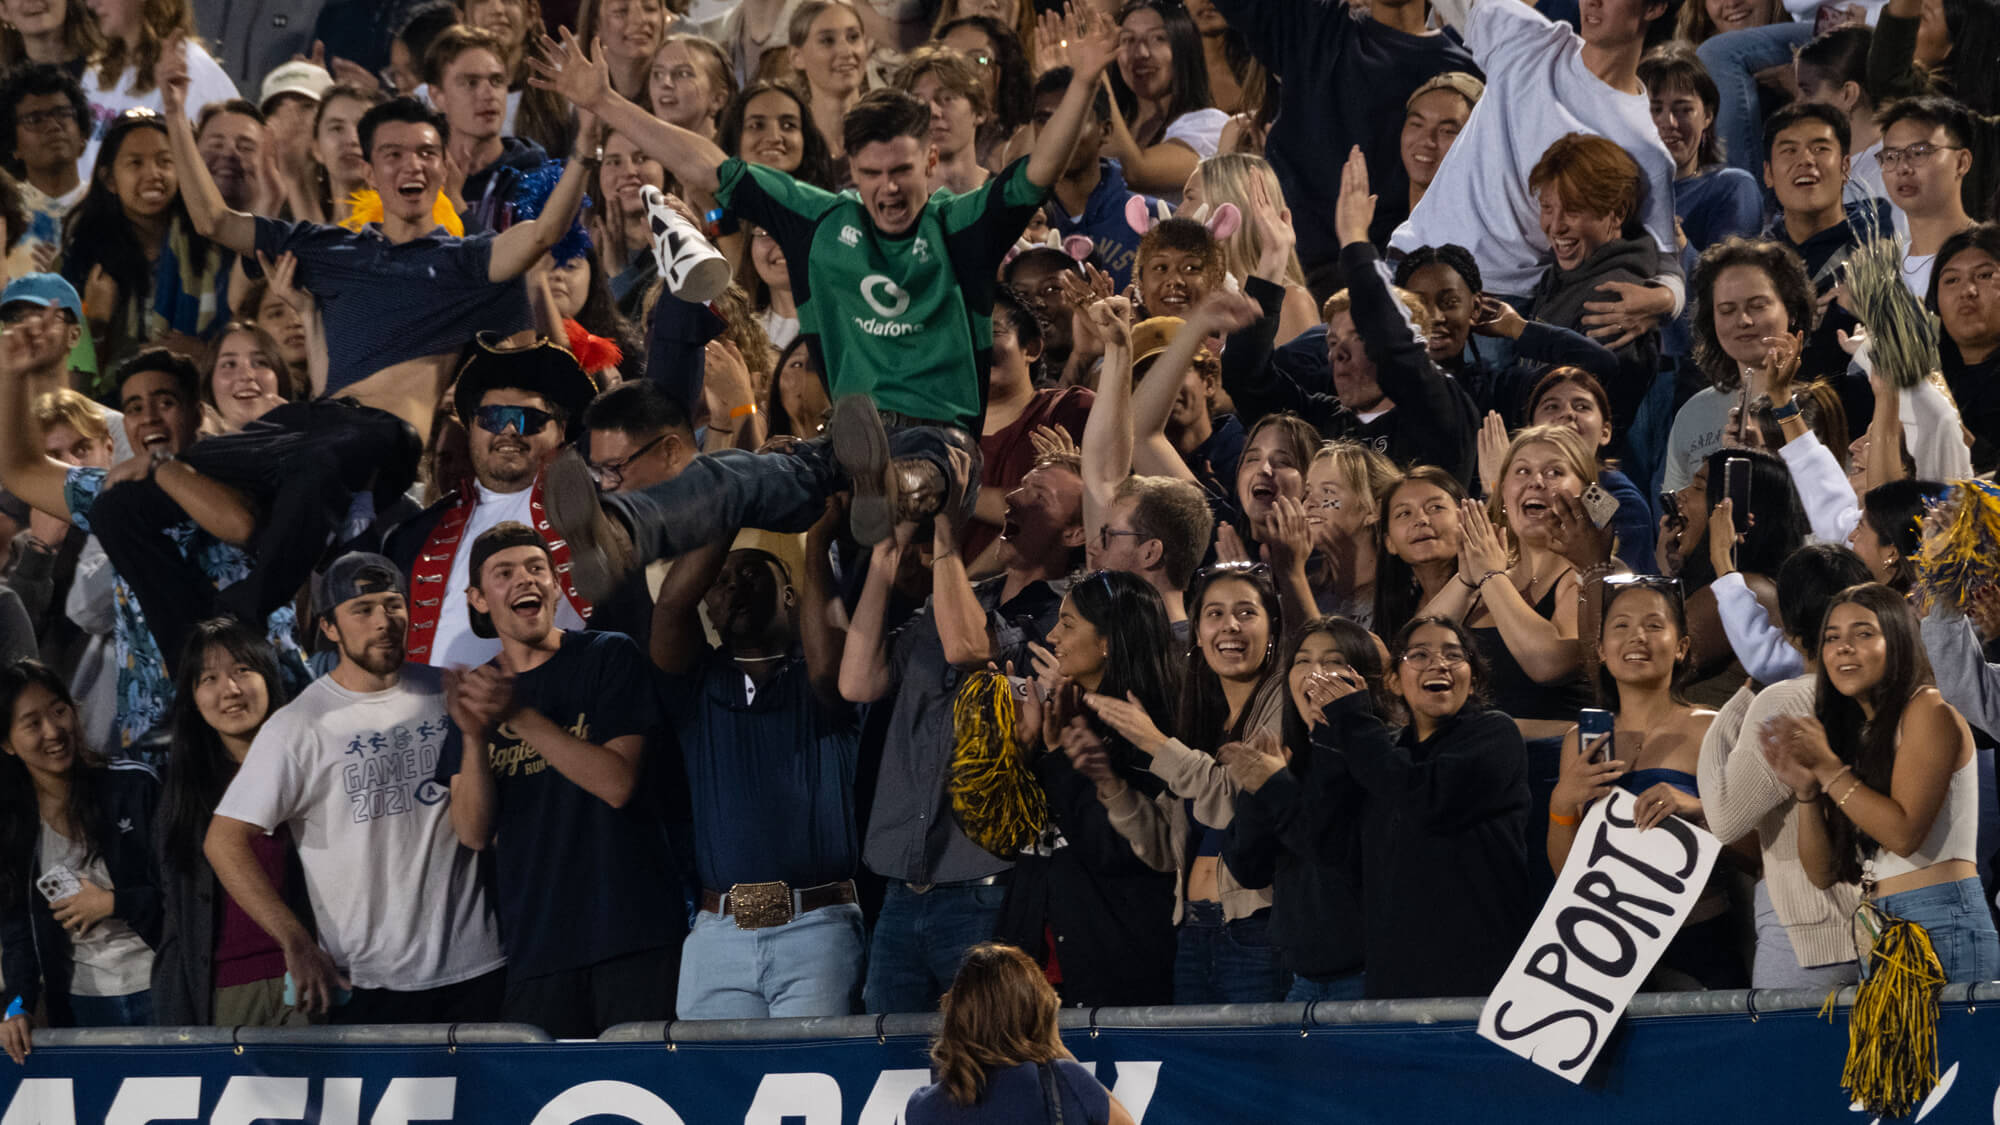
(1321, 1014)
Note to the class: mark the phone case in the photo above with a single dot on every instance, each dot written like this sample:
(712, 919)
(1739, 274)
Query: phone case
(1600, 505)
(58, 883)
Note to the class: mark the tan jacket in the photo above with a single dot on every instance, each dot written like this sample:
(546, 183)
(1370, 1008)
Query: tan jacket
(1158, 829)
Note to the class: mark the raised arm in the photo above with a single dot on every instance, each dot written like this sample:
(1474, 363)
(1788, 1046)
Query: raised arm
(30, 344)
(1093, 44)
(677, 638)
(585, 81)
(961, 620)
(822, 616)
(865, 671)
(1107, 431)
(1153, 399)
(518, 248)
(212, 218)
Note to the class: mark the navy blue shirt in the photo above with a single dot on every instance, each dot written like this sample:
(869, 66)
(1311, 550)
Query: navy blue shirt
(384, 303)
(562, 857)
(771, 777)
(1014, 1095)
(1103, 222)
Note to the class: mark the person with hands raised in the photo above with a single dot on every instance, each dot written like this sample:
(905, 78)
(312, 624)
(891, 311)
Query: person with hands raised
(1109, 905)
(1885, 776)
(1288, 832)
(1642, 652)
(1233, 688)
(1439, 819)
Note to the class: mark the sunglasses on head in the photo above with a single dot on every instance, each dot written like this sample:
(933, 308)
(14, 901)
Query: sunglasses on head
(526, 420)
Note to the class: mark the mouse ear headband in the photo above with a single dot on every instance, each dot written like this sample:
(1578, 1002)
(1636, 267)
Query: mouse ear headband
(1223, 222)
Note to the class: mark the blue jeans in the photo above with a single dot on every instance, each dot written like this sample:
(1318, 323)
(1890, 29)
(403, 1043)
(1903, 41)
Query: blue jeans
(1777, 963)
(1733, 60)
(721, 492)
(810, 966)
(1960, 925)
(1349, 987)
(134, 1009)
(1218, 962)
(920, 940)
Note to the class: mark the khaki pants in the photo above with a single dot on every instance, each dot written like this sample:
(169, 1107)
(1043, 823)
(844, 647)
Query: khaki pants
(261, 1003)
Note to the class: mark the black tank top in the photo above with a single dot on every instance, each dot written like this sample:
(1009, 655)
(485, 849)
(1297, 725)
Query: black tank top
(1515, 692)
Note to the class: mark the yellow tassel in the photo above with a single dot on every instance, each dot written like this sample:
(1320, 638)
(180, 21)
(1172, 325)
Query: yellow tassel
(366, 207)
(1892, 1029)
(1963, 556)
(997, 801)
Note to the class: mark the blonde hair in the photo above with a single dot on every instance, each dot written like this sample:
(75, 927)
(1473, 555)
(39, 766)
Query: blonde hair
(999, 1013)
(1226, 178)
(1362, 469)
(65, 407)
(1581, 458)
(1340, 302)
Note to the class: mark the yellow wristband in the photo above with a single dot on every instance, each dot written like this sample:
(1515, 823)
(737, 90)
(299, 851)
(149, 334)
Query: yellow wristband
(744, 411)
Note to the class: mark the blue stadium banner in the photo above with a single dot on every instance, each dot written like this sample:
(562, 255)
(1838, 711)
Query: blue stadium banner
(1709, 1069)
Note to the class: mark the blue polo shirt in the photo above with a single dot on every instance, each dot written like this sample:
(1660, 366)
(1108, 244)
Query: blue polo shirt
(384, 303)
(770, 776)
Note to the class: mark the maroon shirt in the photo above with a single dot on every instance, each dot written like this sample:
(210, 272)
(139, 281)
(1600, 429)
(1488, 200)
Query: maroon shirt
(244, 953)
(1007, 456)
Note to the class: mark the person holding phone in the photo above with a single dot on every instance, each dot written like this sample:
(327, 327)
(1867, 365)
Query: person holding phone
(79, 897)
(1573, 397)
(1651, 752)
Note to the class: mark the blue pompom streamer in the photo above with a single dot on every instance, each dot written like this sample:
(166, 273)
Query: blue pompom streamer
(531, 194)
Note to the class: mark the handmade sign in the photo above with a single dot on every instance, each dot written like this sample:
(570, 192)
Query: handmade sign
(1621, 899)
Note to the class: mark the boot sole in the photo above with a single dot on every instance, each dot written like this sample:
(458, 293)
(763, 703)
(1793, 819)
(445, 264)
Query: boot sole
(570, 497)
(861, 448)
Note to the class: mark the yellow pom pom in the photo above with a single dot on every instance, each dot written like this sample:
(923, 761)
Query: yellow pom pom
(998, 802)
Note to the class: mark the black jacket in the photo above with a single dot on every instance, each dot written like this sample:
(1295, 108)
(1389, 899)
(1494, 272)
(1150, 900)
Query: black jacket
(34, 950)
(1315, 905)
(1560, 297)
(184, 958)
(1112, 916)
(1441, 853)
(1433, 422)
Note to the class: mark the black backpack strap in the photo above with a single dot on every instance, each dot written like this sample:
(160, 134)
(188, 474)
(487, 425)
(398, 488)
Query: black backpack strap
(1050, 1094)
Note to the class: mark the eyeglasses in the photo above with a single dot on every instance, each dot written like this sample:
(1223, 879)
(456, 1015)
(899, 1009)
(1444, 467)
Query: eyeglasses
(1424, 658)
(1910, 154)
(526, 420)
(44, 118)
(1107, 533)
(613, 472)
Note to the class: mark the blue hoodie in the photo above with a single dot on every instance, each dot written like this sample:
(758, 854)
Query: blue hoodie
(1103, 222)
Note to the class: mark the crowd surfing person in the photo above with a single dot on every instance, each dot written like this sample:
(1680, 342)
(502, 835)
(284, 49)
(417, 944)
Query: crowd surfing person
(1449, 331)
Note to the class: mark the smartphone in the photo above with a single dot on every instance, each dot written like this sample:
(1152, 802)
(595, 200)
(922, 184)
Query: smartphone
(1670, 507)
(340, 995)
(1600, 505)
(1593, 723)
(1736, 487)
(58, 883)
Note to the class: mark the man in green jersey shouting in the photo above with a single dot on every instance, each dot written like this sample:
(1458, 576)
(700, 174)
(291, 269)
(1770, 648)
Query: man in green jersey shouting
(896, 285)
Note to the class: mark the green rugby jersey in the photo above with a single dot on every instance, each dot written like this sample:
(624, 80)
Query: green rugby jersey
(905, 319)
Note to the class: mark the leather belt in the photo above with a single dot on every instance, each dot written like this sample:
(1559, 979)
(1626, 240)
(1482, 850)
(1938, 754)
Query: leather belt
(756, 906)
(997, 879)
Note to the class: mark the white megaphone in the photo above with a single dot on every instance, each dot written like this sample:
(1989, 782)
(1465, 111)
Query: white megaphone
(694, 270)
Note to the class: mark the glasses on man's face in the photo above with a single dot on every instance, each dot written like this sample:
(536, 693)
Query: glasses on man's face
(611, 474)
(1912, 154)
(1424, 657)
(52, 117)
(525, 420)
(1107, 533)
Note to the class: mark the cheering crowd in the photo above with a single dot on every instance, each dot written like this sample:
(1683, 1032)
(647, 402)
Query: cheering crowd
(640, 509)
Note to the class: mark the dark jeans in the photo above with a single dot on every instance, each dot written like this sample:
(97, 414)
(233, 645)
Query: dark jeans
(1306, 990)
(720, 493)
(1220, 962)
(301, 465)
(581, 1003)
(134, 1009)
(920, 940)
(478, 1000)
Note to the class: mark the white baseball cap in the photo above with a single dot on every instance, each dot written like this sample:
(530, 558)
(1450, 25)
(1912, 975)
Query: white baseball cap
(300, 77)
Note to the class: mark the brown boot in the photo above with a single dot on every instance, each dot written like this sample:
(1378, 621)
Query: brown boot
(861, 448)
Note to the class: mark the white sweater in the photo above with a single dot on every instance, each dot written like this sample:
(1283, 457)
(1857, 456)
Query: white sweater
(1537, 90)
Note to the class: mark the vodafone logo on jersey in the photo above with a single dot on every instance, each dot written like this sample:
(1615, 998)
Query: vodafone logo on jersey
(889, 300)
